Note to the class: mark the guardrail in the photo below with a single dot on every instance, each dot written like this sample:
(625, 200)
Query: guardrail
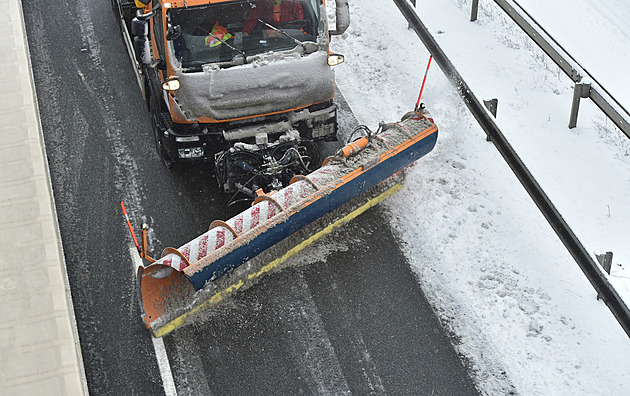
(591, 269)
(595, 91)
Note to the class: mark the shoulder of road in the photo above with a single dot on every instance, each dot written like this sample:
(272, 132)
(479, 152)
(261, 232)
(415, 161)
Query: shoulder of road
(39, 342)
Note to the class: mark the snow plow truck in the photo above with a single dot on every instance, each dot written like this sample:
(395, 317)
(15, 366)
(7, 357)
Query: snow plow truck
(248, 86)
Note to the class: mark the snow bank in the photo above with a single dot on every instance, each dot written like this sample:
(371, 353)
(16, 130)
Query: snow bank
(516, 303)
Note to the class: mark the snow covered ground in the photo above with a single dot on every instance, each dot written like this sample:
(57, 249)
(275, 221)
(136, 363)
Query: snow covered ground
(522, 311)
(587, 27)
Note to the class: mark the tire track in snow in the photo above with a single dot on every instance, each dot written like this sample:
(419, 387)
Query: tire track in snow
(273, 327)
(309, 340)
(83, 126)
(95, 81)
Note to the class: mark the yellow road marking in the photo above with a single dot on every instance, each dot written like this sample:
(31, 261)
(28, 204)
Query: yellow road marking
(218, 297)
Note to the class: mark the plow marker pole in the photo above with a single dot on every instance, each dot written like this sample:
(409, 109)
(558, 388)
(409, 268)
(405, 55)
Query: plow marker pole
(424, 80)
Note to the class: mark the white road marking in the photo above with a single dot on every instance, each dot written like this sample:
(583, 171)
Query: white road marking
(165, 367)
(158, 343)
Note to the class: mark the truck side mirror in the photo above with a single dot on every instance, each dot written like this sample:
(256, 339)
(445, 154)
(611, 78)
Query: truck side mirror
(173, 32)
(343, 17)
(139, 27)
(143, 50)
(140, 31)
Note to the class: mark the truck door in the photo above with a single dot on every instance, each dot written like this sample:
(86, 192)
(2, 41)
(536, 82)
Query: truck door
(157, 41)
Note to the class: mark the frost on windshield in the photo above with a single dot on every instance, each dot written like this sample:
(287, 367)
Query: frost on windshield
(218, 32)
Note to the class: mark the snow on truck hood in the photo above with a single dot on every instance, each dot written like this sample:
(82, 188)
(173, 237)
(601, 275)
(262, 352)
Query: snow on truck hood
(271, 83)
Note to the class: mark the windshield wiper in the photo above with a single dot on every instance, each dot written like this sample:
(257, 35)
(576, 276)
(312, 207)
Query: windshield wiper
(296, 41)
(230, 46)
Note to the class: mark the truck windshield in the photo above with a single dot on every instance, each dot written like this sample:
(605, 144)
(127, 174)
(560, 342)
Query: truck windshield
(206, 29)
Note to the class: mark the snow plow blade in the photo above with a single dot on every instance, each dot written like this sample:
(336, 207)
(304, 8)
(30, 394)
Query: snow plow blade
(234, 254)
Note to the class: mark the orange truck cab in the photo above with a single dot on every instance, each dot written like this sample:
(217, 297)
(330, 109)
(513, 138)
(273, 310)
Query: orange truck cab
(238, 82)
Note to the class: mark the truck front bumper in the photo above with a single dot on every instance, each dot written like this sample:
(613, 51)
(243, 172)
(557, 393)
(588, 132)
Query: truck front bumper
(201, 141)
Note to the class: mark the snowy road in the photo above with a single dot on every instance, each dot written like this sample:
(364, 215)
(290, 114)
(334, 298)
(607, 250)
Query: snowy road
(521, 310)
(352, 321)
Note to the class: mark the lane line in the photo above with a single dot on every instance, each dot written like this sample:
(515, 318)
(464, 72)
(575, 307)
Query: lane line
(165, 367)
(158, 343)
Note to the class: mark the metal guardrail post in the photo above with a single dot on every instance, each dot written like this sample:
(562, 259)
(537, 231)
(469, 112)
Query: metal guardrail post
(611, 112)
(579, 91)
(587, 264)
(492, 106)
(605, 260)
(587, 91)
(475, 9)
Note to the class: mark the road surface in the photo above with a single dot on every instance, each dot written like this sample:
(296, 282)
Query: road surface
(355, 322)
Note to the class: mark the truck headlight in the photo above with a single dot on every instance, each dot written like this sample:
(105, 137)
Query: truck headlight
(171, 84)
(190, 152)
(335, 59)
